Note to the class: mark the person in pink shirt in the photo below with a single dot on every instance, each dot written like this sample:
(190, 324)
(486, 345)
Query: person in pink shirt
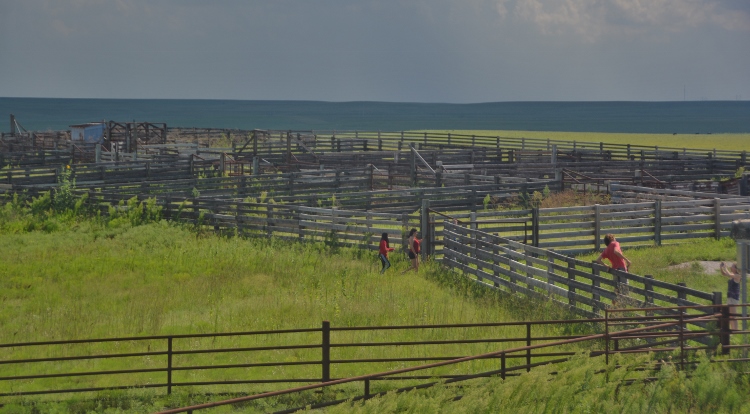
(613, 253)
(383, 250)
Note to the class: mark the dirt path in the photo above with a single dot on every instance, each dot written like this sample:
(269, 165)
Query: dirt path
(709, 267)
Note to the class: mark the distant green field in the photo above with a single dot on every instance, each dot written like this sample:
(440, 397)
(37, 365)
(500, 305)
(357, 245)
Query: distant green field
(734, 142)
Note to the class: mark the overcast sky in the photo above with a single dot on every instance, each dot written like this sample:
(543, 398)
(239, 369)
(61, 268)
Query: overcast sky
(377, 50)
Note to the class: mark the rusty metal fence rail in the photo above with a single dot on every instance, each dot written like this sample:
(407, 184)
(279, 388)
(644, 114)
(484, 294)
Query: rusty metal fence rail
(333, 355)
(25, 367)
(662, 334)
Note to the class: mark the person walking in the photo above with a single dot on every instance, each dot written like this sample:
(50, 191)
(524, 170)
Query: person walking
(413, 245)
(613, 253)
(733, 290)
(385, 247)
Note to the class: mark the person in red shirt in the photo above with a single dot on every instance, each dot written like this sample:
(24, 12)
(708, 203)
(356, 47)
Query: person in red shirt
(613, 253)
(384, 249)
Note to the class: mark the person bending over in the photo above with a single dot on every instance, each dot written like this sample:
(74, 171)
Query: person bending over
(613, 253)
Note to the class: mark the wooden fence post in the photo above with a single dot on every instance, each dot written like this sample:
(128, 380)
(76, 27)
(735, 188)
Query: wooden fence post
(550, 270)
(529, 266)
(405, 227)
(535, 226)
(289, 147)
(657, 222)
(717, 218)
(648, 297)
(425, 224)
(681, 293)
(413, 165)
(370, 174)
(572, 277)
(597, 227)
(595, 283)
(553, 155)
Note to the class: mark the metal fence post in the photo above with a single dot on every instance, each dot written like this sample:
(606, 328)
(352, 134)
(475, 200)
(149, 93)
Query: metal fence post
(326, 349)
(725, 330)
(606, 336)
(682, 341)
(528, 343)
(502, 365)
(169, 365)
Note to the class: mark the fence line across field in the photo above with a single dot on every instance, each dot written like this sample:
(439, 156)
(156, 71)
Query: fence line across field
(178, 360)
(567, 230)
(577, 285)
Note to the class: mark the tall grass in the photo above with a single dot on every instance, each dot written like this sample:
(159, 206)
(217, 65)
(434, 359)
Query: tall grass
(582, 385)
(67, 276)
(97, 278)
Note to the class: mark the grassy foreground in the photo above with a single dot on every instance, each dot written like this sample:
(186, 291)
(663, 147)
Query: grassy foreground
(581, 385)
(64, 276)
(734, 142)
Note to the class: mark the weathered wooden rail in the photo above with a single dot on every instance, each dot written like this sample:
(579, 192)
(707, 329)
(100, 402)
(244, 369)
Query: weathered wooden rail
(580, 229)
(627, 193)
(338, 141)
(584, 287)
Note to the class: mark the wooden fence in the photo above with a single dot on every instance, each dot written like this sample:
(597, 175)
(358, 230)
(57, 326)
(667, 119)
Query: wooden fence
(627, 193)
(580, 229)
(357, 219)
(587, 288)
(338, 141)
(316, 143)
